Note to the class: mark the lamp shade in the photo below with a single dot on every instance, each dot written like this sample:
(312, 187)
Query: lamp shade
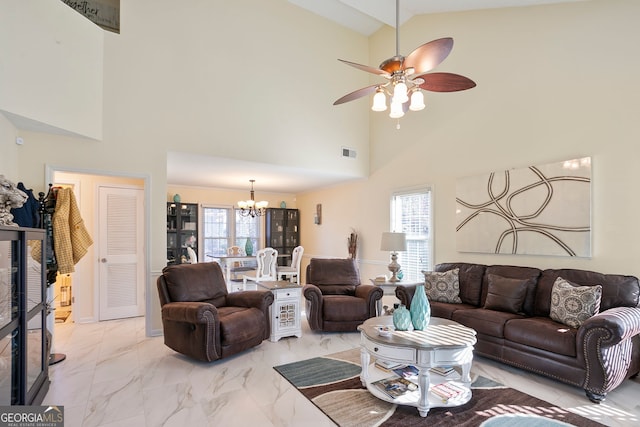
(393, 242)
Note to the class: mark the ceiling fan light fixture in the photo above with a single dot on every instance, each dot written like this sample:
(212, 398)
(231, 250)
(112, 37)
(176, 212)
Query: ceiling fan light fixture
(379, 101)
(400, 93)
(408, 76)
(417, 101)
(396, 110)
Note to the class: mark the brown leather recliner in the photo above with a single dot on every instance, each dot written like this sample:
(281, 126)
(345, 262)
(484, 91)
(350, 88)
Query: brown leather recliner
(202, 320)
(335, 299)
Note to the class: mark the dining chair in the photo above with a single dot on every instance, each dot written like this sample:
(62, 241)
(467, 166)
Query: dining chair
(193, 258)
(238, 267)
(266, 259)
(292, 271)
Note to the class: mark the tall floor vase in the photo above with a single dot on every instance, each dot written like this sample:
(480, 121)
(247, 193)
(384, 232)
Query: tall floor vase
(420, 309)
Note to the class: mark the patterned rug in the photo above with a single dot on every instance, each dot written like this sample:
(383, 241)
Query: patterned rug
(332, 383)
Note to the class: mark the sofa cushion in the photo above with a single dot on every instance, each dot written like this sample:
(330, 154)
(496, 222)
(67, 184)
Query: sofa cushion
(572, 304)
(443, 287)
(240, 324)
(542, 333)
(485, 322)
(202, 282)
(339, 308)
(470, 279)
(445, 310)
(330, 271)
(515, 272)
(505, 294)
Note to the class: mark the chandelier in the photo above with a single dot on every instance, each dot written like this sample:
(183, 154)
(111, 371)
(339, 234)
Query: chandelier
(250, 207)
(408, 76)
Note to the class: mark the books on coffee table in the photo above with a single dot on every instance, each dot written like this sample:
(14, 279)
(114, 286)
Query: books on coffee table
(444, 371)
(448, 390)
(395, 387)
(409, 372)
(387, 366)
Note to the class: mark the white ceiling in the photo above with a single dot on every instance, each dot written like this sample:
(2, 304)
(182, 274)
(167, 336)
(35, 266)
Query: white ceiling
(368, 16)
(363, 16)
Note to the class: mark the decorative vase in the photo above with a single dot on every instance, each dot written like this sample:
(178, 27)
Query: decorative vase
(176, 198)
(248, 247)
(400, 275)
(401, 318)
(420, 309)
(283, 204)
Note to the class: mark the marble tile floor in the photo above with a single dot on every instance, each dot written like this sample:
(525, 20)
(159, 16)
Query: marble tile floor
(115, 376)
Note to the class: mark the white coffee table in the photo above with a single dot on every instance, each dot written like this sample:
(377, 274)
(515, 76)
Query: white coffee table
(443, 343)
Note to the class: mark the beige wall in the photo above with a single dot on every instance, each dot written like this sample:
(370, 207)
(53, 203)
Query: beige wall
(51, 72)
(554, 83)
(9, 149)
(226, 197)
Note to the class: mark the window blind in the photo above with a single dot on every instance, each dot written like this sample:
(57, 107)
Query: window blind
(411, 214)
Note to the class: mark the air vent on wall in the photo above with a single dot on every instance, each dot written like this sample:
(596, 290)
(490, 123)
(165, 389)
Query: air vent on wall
(348, 152)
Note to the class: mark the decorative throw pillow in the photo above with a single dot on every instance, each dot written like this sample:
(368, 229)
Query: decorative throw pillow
(443, 287)
(572, 304)
(505, 294)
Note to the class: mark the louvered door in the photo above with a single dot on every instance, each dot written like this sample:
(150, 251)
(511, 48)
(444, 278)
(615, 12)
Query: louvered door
(121, 253)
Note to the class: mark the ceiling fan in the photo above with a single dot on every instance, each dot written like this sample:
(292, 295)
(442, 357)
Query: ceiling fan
(407, 75)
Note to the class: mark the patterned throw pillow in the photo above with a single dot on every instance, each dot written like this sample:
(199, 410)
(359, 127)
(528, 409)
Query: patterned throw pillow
(572, 304)
(443, 287)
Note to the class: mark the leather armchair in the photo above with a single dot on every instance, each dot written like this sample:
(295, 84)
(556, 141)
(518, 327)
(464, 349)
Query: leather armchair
(202, 320)
(335, 299)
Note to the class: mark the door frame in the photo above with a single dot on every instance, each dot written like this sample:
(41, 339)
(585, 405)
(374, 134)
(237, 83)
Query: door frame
(51, 170)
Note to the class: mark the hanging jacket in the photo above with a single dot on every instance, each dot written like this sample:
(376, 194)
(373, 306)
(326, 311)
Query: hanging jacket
(70, 237)
(28, 215)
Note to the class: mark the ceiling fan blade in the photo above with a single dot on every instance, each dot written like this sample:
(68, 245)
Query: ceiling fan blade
(445, 82)
(357, 94)
(366, 68)
(428, 56)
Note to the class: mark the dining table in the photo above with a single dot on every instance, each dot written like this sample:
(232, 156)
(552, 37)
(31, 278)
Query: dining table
(226, 262)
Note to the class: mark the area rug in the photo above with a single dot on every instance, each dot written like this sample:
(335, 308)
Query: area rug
(332, 383)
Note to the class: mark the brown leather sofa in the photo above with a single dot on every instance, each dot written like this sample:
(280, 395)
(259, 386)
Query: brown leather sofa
(202, 320)
(335, 299)
(597, 356)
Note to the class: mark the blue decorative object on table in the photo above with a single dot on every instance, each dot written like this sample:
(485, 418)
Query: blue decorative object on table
(248, 247)
(401, 318)
(420, 309)
(176, 198)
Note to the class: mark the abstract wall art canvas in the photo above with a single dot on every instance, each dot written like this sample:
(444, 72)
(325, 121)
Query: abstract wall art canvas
(539, 210)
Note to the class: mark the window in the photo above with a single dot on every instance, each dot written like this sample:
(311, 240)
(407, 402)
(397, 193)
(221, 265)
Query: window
(247, 228)
(411, 214)
(225, 227)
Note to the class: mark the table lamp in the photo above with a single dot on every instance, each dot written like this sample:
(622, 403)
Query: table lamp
(394, 242)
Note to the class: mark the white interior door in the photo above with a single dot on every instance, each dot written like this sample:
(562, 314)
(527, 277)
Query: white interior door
(121, 256)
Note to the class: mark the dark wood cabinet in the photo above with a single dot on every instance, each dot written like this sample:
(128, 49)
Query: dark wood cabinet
(182, 231)
(24, 353)
(282, 231)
